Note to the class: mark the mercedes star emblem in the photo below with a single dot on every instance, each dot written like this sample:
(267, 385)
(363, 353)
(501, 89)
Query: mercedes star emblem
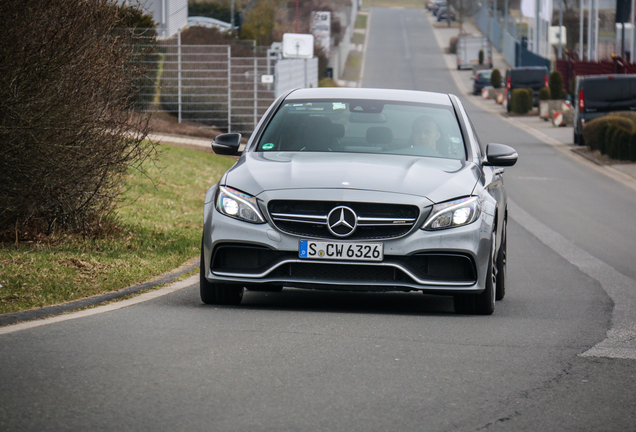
(342, 221)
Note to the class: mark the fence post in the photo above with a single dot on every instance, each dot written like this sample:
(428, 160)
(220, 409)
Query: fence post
(229, 88)
(255, 92)
(179, 73)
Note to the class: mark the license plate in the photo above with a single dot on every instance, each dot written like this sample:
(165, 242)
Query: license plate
(341, 251)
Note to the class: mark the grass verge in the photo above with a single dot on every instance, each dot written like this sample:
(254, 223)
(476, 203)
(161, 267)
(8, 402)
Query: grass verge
(361, 21)
(160, 223)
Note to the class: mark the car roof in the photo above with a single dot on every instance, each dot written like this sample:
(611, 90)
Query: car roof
(606, 77)
(370, 94)
(528, 68)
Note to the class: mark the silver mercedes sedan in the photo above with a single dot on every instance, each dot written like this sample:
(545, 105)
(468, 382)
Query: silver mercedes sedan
(361, 190)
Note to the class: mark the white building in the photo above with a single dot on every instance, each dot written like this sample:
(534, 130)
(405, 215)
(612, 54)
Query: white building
(170, 15)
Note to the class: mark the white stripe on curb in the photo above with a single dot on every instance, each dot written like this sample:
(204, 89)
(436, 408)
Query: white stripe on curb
(101, 309)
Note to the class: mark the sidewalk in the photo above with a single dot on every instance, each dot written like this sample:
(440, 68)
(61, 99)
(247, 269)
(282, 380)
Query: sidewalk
(204, 144)
(160, 138)
(561, 137)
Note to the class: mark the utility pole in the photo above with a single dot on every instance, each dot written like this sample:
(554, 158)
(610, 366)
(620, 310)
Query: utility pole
(506, 15)
(633, 47)
(581, 12)
(595, 29)
(589, 32)
(560, 29)
(232, 16)
(537, 28)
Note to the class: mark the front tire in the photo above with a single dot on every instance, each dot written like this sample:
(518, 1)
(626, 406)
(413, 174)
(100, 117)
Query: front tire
(501, 264)
(218, 294)
(484, 303)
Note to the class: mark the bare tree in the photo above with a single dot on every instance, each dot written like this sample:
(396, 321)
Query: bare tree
(464, 9)
(67, 134)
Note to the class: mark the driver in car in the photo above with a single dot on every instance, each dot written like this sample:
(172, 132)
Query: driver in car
(424, 134)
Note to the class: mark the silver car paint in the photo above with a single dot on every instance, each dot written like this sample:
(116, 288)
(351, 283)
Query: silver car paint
(473, 239)
(288, 175)
(435, 178)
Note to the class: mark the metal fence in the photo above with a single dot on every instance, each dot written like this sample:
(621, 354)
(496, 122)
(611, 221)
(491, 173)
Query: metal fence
(495, 33)
(509, 48)
(506, 40)
(206, 84)
(570, 68)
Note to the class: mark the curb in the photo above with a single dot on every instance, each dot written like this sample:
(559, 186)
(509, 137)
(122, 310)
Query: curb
(48, 311)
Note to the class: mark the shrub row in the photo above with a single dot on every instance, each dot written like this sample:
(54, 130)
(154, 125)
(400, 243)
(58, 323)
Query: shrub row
(545, 94)
(613, 135)
(521, 100)
(495, 78)
(556, 85)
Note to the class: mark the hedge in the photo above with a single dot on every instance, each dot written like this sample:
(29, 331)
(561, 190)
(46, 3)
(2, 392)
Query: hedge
(556, 85)
(545, 94)
(595, 131)
(495, 78)
(613, 135)
(521, 100)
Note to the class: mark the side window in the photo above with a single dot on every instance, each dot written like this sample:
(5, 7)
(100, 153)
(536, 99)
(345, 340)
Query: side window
(473, 138)
(482, 151)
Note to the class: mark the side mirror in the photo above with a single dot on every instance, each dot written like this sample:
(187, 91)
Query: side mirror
(227, 144)
(500, 155)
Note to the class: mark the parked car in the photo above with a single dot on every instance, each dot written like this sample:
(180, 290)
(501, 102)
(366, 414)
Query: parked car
(437, 5)
(444, 12)
(534, 77)
(429, 4)
(599, 95)
(359, 189)
(481, 80)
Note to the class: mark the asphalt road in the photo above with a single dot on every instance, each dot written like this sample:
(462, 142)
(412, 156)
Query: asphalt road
(329, 361)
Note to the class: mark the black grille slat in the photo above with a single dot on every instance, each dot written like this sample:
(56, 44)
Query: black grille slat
(450, 268)
(374, 231)
(349, 273)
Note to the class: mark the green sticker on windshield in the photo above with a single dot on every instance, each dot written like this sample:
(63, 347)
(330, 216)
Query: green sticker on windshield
(268, 146)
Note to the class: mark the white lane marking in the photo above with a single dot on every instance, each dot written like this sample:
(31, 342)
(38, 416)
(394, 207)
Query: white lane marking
(364, 48)
(621, 338)
(405, 38)
(101, 309)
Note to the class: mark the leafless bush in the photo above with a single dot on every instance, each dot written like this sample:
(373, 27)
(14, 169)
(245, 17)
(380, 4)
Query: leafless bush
(67, 135)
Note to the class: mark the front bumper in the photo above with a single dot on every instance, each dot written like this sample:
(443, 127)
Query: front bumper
(443, 262)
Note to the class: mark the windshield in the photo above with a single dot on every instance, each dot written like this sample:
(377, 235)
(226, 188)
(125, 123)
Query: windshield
(364, 127)
(610, 95)
(484, 76)
(528, 77)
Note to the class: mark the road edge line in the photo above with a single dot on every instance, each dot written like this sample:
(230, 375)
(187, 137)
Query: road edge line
(176, 286)
(620, 340)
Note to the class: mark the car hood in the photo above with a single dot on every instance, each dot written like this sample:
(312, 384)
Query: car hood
(437, 179)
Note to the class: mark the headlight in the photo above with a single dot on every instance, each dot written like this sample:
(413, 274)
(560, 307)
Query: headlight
(454, 213)
(238, 205)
